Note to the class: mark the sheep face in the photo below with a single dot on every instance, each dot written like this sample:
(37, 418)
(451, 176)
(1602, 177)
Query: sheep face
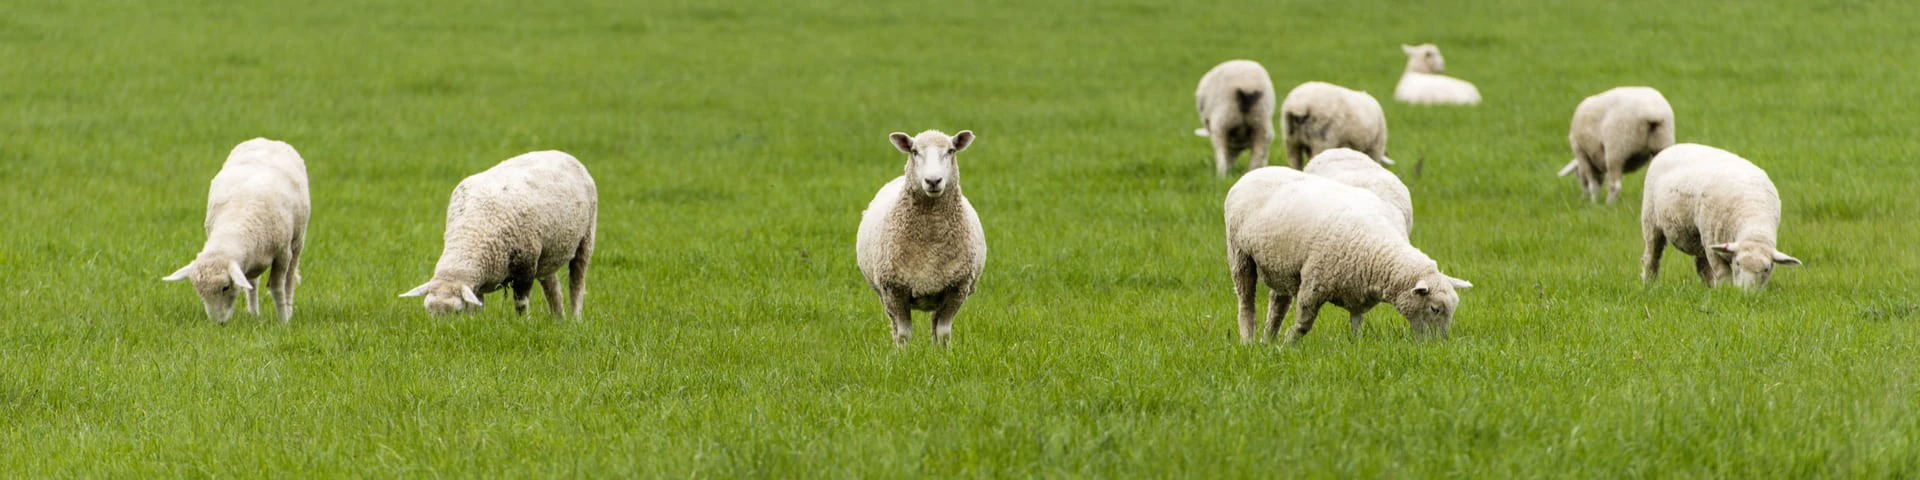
(1752, 263)
(933, 166)
(1424, 58)
(1429, 305)
(444, 298)
(219, 284)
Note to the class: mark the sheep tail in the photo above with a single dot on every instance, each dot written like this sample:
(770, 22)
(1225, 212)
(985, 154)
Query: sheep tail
(1568, 170)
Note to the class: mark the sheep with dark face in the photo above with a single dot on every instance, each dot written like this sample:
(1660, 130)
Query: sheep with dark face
(920, 245)
(257, 212)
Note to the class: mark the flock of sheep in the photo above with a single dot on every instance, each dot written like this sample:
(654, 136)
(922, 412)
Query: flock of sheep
(1335, 227)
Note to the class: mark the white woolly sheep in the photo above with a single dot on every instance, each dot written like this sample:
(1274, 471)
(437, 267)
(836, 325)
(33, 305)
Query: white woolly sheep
(1717, 207)
(512, 225)
(1235, 101)
(920, 245)
(1615, 133)
(1319, 241)
(257, 209)
(1423, 84)
(1319, 116)
(1354, 168)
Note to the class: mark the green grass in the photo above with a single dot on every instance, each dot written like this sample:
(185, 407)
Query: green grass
(728, 332)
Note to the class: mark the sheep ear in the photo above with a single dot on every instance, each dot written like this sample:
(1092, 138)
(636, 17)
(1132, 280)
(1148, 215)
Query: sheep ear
(962, 140)
(1459, 284)
(1420, 288)
(1726, 248)
(1782, 258)
(179, 275)
(1408, 49)
(467, 293)
(902, 142)
(417, 291)
(239, 275)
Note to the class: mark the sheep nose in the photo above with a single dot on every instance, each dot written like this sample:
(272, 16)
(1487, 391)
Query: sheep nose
(934, 183)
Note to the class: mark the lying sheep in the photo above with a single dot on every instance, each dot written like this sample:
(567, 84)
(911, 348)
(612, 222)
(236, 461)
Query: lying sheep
(1319, 241)
(920, 245)
(1319, 116)
(1615, 133)
(1356, 169)
(511, 225)
(1717, 207)
(1235, 101)
(257, 211)
(1423, 84)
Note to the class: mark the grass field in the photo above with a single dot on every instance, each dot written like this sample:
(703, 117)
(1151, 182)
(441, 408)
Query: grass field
(729, 334)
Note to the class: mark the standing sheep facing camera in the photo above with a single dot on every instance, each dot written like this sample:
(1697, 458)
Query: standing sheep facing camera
(1235, 101)
(1355, 169)
(1320, 116)
(512, 225)
(1423, 84)
(1320, 241)
(1717, 207)
(920, 245)
(257, 211)
(1615, 133)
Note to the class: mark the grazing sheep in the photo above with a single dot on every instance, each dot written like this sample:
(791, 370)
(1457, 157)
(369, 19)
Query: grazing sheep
(1423, 84)
(1615, 133)
(1319, 241)
(1354, 168)
(1717, 207)
(1319, 116)
(920, 245)
(257, 211)
(1235, 101)
(512, 225)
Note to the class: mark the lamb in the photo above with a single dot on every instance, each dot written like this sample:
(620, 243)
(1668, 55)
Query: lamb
(1423, 84)
(1615, 133)
(1235, 101)
(511, 225)
(257, 209)
(920, 245)
(1319, 116)
(1355, 169)
(1320, 241)
(1717, 207)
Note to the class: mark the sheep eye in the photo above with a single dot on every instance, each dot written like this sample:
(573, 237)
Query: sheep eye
(227, 288)
(1435, 309)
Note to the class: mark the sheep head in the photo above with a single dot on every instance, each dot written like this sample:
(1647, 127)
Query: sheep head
(933, 166)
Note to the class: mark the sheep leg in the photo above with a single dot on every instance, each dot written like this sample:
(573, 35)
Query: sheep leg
(1298, 159)
(253, 296)
(1245, 278)
(1222, 154)
(577, 273)
(550, 287)
(895, 300)
(293, 274)
(943, 316)
(1310, 302)
(1357, 317)
(277, 280)
(1277, 303)
(1705, 269)
(1650, 259)
(522, 292)
(1262, 141)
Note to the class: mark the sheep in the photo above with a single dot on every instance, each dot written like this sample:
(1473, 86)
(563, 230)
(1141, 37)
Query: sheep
(1320, 241)
(1319, 116)
(920, 245)
(511, 225)
(1615, 133)
(1423, 84)
(1717, 207)
(257, 209)
(1355, 169)
(1235, 101)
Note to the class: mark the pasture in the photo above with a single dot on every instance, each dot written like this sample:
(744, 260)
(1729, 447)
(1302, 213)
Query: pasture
(728, 332)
